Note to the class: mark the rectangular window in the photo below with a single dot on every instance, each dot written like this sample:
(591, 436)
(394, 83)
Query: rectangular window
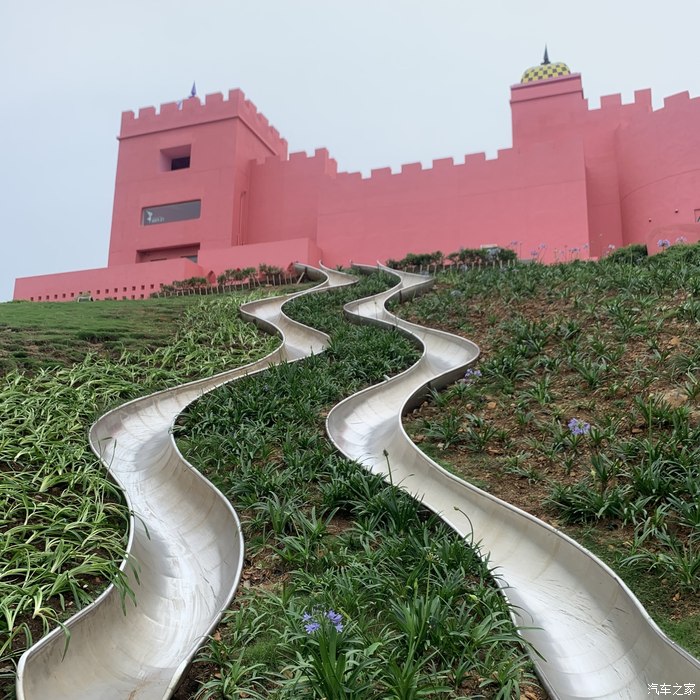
(167, 213)
(177, 158)
(180, 163)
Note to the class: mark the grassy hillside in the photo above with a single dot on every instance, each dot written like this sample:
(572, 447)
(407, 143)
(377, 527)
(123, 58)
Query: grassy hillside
(62, 522)
(584, 409)
(44, 334)
(351, 590)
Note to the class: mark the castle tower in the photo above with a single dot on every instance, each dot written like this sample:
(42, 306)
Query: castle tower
(548, 99)
(183, 177)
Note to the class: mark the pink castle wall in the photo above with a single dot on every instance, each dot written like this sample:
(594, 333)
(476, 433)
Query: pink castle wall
(576, 181)
(115, 282)
(536, 195)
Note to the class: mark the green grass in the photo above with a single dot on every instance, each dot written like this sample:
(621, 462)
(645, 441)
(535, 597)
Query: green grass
(44, 334)
(421, 615)
(591, 341)
(615, 346)
(62, 521)
(681, 627)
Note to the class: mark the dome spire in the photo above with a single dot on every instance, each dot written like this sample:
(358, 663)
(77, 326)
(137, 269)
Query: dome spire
(545, 70)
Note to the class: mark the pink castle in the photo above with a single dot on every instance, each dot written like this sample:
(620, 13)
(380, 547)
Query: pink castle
(205, 187)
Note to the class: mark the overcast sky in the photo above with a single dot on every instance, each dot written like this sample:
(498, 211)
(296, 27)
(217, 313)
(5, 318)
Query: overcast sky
(377, 82)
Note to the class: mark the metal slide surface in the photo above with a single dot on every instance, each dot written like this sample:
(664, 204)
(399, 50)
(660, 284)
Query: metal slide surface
(185, 549)
(596, 639)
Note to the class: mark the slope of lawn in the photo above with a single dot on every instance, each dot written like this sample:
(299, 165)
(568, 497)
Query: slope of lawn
(35, 335)
(584, 409)
(62, 522)
(351, 589)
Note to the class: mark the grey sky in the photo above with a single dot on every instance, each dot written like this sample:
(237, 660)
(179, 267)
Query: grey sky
(377, 82)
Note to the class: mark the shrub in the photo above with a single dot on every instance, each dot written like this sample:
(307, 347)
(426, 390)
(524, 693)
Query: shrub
(629, 254)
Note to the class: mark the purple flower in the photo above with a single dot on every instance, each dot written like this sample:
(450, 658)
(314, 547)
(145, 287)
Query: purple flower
(681, 239)
(336, 619)
(579, 427)
(312, 624)
(663, 243)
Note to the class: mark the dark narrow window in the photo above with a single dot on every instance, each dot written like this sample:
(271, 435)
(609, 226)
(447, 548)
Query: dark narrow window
(180, 163)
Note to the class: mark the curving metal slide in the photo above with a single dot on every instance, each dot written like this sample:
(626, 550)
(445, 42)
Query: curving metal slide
(185, 549)
(596, 638)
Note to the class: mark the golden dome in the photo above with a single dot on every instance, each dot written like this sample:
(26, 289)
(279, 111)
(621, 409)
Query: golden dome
(545, 71)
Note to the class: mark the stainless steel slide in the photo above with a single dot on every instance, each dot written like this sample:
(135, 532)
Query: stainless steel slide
(596, 639)
(185, 550)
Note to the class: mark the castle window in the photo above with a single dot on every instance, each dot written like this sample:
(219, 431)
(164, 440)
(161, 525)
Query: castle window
(177, 158)
(180, 163)
(167, 213)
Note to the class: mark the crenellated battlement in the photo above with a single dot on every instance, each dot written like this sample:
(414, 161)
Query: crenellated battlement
(192, 111)
(319, 160)
(613, 104)
(473, 163)
(675, 109)
(642, 104)
(679, 101)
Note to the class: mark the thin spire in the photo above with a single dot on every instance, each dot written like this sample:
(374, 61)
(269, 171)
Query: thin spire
(546, 56)
(193, 91)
